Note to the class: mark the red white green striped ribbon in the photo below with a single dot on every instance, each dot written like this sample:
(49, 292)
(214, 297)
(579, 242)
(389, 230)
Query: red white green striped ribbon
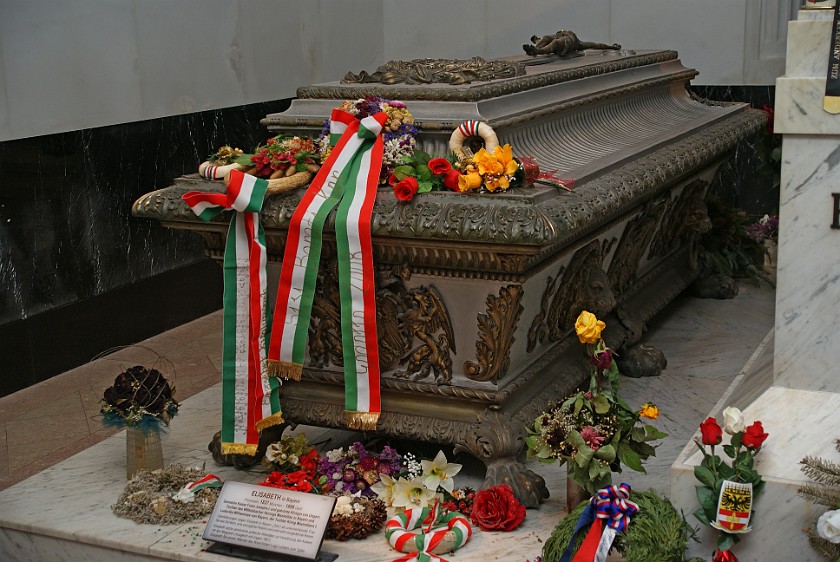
(347, 180)
(187, 493)
(250, 400)
(420, 546)
(469, 128)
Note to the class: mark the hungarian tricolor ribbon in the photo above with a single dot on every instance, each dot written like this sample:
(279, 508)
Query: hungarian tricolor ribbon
(250, 400)
(187, 493)
(609, 512)
(419, 546)
(347, 180)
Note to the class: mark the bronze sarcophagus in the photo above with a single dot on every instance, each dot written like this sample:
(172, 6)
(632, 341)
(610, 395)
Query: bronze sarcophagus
(477, 293)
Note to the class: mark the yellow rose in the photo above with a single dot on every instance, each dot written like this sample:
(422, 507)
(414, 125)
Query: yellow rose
(588, 327)
(470, 180)
(504, 155)
(649, 411)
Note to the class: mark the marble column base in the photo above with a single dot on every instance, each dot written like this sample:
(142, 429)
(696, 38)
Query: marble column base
(799, 423)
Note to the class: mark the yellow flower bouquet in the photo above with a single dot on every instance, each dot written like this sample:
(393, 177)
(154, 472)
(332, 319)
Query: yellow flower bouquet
(594, 430)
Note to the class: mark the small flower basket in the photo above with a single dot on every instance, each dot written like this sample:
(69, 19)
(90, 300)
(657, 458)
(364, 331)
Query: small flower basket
(140, 399)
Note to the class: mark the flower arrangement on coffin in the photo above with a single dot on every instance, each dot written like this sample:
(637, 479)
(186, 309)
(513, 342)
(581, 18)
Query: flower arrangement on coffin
(485, 171)
(824, 490)
(286, 161)
(139, 397)
(727, 493)
(356, 469)
(594, 432)
(398, 136)
(219, 164)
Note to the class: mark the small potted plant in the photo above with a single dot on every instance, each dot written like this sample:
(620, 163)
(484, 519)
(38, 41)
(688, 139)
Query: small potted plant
(140, 399)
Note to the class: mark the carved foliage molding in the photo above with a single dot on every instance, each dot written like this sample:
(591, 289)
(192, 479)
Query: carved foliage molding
(496, 328)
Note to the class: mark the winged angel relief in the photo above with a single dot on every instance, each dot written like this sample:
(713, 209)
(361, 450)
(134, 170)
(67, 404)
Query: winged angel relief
(404, 317)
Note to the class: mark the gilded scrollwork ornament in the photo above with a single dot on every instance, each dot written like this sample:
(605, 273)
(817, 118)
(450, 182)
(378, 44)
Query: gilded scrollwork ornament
(496, 328)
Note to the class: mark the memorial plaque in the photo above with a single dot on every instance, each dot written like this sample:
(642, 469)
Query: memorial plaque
(270, 519)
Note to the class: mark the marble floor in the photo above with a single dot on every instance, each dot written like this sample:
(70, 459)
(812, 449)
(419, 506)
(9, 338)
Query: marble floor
(709, 344)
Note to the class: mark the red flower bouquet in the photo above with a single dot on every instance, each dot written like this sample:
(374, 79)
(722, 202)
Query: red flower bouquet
(497, 509)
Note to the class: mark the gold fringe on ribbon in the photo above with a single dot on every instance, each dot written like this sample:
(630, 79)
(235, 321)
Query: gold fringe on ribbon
(362, 421)
(239, 449)
(269, 421)
(285, 370)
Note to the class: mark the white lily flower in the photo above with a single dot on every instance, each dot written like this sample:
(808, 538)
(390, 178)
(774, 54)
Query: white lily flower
(411, 493)
(439, 473)
(384, 489)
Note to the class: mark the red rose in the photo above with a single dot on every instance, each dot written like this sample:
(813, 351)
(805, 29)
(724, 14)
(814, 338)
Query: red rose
(497, 509)
(754, 436)
(450, 179)
(392, 180)
(439, 166)
(602, 359)
(405, 190)
(711, 432)
(768, 109)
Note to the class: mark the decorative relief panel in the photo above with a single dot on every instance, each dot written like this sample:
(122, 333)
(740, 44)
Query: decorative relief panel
(403, 316)
(581, 285)
(496, 327)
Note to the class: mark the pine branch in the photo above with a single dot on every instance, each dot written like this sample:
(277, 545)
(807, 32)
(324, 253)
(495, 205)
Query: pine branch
(822, 495)
(821, 470)
(827, 550)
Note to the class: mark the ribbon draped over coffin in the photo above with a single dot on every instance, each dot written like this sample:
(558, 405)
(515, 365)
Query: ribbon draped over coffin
(347, 180)
(398, 532)
(250, 400)
(609, 512)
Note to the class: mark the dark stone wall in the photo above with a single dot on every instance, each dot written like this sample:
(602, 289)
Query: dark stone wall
(78, 273)
(750, 181)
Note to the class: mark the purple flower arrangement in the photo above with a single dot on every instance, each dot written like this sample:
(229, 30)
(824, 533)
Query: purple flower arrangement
(399, 134)
(356, 469)
(767, 228)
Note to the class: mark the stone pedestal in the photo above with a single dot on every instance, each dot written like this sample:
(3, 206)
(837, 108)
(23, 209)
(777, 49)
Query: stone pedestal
(801, 410)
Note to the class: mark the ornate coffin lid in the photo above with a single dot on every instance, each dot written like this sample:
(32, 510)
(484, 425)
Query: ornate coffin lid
(621, 123)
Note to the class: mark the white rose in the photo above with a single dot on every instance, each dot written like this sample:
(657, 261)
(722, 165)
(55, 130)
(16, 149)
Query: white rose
(828, 526)
(733, 420)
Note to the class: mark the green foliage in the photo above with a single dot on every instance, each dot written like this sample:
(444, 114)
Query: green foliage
(727, 248)
(595, 431)
(658, 533)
